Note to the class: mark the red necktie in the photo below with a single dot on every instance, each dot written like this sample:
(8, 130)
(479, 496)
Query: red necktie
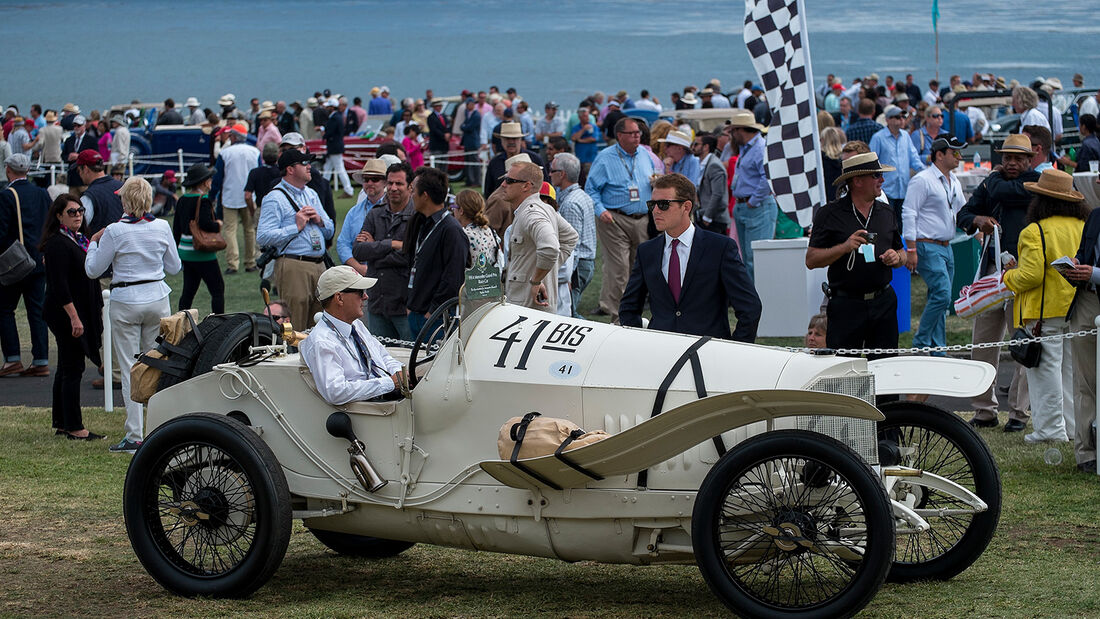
(674, 272)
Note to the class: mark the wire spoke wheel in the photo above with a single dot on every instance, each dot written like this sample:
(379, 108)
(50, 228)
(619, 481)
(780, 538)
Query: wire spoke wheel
(789, 523)
(207, 507)
(939, 442)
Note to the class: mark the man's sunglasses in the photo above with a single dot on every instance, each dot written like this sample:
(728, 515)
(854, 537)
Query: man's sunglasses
(508, 180)
(663, 205)
(355, 291)
(935, 116)
(75, 211)
(373, 179)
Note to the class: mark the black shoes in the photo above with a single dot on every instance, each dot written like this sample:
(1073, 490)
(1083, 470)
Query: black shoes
(984, 423)
(1015, 425)
(230, 271)
(92, 436)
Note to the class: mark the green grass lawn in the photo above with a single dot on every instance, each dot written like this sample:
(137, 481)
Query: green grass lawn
(64, 552)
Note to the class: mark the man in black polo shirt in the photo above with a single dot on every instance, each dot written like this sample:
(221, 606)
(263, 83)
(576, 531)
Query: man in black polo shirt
(858, 239)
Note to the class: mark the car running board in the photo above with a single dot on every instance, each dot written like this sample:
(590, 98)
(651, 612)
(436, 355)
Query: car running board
(672, 432)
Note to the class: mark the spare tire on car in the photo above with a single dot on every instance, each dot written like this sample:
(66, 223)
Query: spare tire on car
(221, 338)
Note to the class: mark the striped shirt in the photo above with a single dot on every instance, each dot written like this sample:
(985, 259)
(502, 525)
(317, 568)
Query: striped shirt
(613, 174)
(576, 207)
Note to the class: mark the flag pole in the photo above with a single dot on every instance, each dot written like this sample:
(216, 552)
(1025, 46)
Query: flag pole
(936, 33)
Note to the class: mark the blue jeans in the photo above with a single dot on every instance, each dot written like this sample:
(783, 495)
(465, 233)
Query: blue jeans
(393, 327)
(582, 274)
(33, 291)
(754, 224)
(936, 265)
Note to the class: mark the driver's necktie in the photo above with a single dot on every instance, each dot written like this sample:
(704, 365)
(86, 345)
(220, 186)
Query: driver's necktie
(674, 271)
(363, 354)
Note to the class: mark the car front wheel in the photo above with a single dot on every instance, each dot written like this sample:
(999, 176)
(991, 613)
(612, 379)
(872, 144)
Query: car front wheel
(207, 507)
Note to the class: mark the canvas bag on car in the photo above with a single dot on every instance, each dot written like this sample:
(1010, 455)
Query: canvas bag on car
(543, 436)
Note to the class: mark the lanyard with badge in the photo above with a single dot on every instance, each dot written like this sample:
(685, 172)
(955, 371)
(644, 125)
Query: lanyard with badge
(632, 189)
(422, 242)
(315, 242)
(867, 249)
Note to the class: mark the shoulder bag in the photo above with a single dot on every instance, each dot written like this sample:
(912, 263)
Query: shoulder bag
(16, 262)
(1027, 354)
(202, 240)
(986, 292)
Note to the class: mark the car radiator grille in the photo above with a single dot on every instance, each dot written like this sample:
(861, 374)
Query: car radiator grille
(860, 435)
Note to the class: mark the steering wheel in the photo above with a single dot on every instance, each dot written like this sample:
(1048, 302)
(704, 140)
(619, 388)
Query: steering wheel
(436, 330)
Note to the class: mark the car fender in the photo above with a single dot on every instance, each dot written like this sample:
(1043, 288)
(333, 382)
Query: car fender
(944, 376)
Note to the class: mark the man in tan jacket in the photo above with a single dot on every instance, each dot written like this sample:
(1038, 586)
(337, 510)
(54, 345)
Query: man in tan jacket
(539, 242)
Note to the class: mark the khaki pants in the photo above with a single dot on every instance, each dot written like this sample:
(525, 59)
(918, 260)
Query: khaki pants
(297, 283)
(229, 230)
(619, 241)
(993, 326)
(1084, 376)
(134, 329)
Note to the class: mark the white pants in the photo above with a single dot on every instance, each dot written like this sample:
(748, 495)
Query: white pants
(1050, 385)
(134, 329)
(335, 164)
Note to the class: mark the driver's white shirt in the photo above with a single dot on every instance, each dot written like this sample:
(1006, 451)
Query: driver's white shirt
(341, 376)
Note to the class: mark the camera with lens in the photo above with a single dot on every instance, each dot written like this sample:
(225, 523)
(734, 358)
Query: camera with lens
(267, 255)
(870, 236)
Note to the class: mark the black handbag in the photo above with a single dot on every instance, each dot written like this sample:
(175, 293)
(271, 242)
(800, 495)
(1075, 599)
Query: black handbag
(16, 262)
(1027, 354)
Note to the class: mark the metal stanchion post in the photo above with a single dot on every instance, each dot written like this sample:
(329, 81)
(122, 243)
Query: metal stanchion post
(431, 161)
(108, 362)
(130, 161)
(179, 152)
(53, 174)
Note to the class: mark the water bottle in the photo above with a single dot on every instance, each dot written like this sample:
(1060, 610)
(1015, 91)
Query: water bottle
(977, 161)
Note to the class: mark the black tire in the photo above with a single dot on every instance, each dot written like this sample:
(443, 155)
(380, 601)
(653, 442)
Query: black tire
(207, 507)
(226, 338)
(430, 334)
(947, 446)
(798, 536)
(361, 545)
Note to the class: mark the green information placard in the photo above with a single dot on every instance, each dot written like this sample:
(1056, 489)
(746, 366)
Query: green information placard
(483, 281)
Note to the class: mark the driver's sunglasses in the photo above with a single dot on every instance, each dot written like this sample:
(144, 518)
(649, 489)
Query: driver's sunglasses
(877, 176)
(75, 211)
(373, 179)
(355, 291)
(508, 180)
(278, 317)
(663, 205)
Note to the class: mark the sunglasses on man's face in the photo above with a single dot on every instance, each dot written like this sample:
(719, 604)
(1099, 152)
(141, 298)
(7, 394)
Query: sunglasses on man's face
(662, 205)
(935, 115)
(355, 291)
(508, 180)
(373, 179)
(75, 211)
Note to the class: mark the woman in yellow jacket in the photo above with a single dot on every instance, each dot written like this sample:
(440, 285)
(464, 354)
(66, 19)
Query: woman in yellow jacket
(1058, 213)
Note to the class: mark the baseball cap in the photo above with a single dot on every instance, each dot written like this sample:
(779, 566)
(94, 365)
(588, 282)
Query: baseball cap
(341, 277)
(294, 139)
(79, 119)
(946, 141)
(290, 157)
(894, 111)
(89, 157)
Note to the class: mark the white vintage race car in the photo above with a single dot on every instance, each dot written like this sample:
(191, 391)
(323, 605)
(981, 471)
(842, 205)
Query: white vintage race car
(772, 470)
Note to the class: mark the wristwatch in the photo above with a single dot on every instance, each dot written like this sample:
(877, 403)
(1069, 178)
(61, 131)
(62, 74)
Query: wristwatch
(535, 283)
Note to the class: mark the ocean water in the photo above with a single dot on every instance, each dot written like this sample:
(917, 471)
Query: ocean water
(99, 53)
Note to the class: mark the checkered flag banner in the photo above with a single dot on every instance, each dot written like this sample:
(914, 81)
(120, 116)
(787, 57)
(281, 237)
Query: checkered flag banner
(775, 34)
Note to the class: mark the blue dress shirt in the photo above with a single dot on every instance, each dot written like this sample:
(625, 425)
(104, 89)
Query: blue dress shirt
(353, 223)
(749, 179)
(688, 165)
(900, 153)
(612, 175)
(277, 226)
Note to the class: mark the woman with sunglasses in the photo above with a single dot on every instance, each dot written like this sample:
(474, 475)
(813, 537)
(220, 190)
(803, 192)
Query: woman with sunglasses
(73, 311)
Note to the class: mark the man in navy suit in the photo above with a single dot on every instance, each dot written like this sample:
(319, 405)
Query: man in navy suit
(690, 275)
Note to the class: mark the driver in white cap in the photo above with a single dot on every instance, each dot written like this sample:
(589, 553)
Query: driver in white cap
(348, 363)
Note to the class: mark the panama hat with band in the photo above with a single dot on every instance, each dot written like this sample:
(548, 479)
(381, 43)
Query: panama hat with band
(511, 130)
(861, 165)
(1016, 143)
(677, 137)
(747, 120)
(1055, 184)
(372, 167)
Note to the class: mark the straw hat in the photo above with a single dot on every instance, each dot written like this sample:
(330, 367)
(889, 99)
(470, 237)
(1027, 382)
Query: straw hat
(191, 102)
(677, 137)
(1056, 184)
(861, 165)
(311, 102)
(51, 116)
(511, 130)
(689, 98)
(1016, 143)
(372, 167)
(513, 160)
(227, 100)
(266, 114)
(745, 118)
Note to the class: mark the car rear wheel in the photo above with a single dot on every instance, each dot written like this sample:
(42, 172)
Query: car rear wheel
(360, 545)
(792, 523)
(207, 507)
(939, 442)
